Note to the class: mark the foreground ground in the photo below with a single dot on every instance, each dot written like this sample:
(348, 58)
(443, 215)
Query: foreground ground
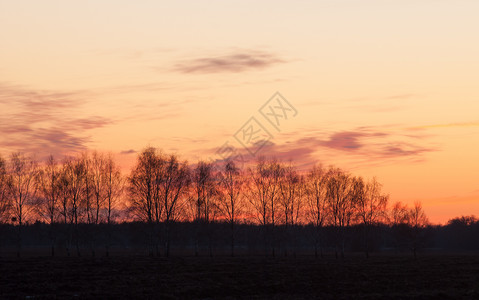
(243, 277)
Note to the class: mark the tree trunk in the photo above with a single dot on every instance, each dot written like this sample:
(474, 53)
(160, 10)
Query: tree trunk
(197, 238)
(210, 239)
(77, 240)
(232, 239)
(19, 245)
(167, 238)
(366, 241)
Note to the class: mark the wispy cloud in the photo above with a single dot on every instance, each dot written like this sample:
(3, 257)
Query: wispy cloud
(44, 122)
(402, 150)
(347, 140)
(355, 148)
(238, 61)
(363, 146)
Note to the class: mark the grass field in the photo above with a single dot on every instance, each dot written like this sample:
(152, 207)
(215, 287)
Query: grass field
(391, 277)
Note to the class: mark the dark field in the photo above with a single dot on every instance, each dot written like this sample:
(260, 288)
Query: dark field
(392, 277)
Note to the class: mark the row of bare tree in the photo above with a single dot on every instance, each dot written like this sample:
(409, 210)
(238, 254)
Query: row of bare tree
(84, 189)
(162, 188)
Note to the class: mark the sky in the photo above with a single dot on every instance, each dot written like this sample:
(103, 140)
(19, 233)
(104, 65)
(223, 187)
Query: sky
(383, 88)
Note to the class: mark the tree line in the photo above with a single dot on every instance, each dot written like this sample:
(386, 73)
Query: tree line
(163, 189)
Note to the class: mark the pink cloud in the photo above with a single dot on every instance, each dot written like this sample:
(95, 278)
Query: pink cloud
(44, 122)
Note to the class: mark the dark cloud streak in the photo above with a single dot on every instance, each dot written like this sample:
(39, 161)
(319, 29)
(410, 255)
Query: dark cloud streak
(131, 151)
(233, 62)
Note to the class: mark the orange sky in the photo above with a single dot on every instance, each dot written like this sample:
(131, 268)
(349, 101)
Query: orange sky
(381, 88)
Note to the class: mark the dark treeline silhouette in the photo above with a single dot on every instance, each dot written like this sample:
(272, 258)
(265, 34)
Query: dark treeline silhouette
(84, 204)
(133, 238)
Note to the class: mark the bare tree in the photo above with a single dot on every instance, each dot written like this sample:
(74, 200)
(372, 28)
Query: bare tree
(398, 214)
(142, 183)
(205, 189)
(408, 225)
(174, 184)
(463, 221)
(93, 194)
(289, 189)
(48, 188)
(316, 189)
(23, 171)
(114, 186)
(291, 194)
(73, 181)
(417, 221)
(264, 188)
(398, 221)
(340, 203)
(65, 209)
(230, 202)
(5, 200)
(156, 186)
(371, 206)
(75, 172)
(48, 185)
(204, 182)
(22, 189)
(86, 196)
(99, 183)
(144, 192)
(260, 186)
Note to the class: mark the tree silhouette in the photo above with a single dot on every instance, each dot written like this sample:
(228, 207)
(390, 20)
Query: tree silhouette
(23, 171)
(417, 221)
(48, 185)
(463, 221)
(291, 196)
(86, 206)
(114, 188)
(264, 187)
(230, 201)
(399, 215)
(142, 183)
(371, 206)
(174, 184)
(5, 203)
(99, 182)
(317, 188)
(48, 188)
(341, 204)
(144, 191)
(205, 191)
(74, 181)
(80, 193)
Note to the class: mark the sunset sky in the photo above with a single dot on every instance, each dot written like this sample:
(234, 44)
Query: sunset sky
(380, 88)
